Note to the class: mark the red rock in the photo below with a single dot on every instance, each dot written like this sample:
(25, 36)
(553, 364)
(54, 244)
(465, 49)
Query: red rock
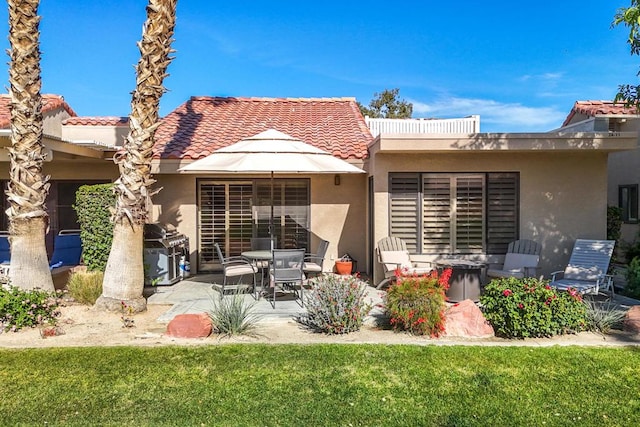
(632, 320)
(466, 320)
(190, 326)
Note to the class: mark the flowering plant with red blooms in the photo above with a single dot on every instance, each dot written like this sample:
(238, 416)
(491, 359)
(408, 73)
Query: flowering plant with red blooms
(523, 308)
(416, 303)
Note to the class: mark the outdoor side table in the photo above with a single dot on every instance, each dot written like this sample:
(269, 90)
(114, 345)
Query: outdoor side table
(465, 281)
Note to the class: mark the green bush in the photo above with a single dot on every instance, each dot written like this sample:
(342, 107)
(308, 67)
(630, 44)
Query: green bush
(632, 288)
(529, 307)
(93, 206)
(416, 303)
(614, 222)
(27, 308)
(85, 286)
(231, 316)
(335, 305)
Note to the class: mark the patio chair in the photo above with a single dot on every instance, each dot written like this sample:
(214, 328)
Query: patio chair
(287, 272)
(587, 268)
(67, 254)
(393, 255)
(5, 253)
(521, 260)
(313, 262)
(236, 266)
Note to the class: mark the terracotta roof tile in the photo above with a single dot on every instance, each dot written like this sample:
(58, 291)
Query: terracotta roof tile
(598, 108)
(49, 103)
(204, 124)
(96, 121)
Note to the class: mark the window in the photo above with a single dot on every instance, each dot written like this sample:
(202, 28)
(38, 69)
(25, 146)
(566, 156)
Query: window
(628, 202)
(231, 212)
(463, 213)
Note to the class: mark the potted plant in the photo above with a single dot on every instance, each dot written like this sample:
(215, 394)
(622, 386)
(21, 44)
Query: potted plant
(344, 265)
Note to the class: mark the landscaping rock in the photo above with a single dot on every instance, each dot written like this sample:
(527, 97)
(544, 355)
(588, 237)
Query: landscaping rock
(632, 320)
(465, 319)
(190, 326)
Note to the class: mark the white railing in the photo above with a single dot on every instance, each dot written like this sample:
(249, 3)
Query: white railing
(463, 125)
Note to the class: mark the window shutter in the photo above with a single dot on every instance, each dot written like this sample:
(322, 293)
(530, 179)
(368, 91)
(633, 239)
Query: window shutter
(502, 211)
(436, 220)
(469, 214)
(404, 208)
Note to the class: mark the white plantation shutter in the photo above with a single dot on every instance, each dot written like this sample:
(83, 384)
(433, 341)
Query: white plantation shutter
(437, 211)
(404, 190)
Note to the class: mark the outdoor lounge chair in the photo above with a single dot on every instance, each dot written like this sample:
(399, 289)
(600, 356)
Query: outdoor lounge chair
(393, 255)
(587, 268)
(5, 253)
(286, 272)
(236, 266)
(313, 262)
(67, 254)
(521, 260)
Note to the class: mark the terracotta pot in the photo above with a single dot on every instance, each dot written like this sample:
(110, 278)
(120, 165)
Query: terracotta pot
(344, 267)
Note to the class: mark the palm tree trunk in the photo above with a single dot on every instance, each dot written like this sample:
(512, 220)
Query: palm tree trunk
(28, 187)
(124, 274)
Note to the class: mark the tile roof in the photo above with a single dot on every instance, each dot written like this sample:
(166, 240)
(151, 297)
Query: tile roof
(598, 108)
(49, 103)
(204, 124)
(96, 121)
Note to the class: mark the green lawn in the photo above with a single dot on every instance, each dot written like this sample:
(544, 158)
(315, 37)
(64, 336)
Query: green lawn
(319, 385)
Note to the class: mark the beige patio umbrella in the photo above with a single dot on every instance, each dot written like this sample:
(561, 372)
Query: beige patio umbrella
(270, 152)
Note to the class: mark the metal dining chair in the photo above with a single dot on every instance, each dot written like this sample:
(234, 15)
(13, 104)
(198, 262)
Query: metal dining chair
(236, 267)
(287, 272)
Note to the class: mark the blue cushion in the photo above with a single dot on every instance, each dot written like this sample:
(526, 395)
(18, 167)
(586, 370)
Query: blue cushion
(5, 250)
(67, 250)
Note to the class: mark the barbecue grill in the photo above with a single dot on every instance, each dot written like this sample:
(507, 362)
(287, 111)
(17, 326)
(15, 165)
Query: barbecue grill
(163, 249)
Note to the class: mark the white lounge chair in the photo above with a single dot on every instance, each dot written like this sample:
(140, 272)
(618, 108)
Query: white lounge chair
(520, 261)
(587, 268)
(393, 255)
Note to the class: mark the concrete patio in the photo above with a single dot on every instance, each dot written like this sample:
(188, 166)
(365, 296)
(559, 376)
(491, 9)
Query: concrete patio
(196, 295)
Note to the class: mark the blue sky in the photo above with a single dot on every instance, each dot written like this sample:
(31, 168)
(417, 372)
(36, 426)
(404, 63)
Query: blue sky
(520, 66)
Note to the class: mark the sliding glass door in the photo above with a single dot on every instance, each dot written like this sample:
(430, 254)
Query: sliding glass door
(232, 212)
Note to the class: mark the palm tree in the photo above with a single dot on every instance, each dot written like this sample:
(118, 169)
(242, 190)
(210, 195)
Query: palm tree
(28, 187)
(124, 273)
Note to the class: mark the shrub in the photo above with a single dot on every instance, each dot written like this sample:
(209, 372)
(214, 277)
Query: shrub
(335, 305)
(93, 206)
(85, 286)
(27, 308)
(614, 222)
(416, 303)
(529, 307)
(632, 288)
(602, 317)
(232, 316)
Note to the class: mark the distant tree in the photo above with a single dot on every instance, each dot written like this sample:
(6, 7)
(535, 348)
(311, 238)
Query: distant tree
(387, 105)
(630, 18)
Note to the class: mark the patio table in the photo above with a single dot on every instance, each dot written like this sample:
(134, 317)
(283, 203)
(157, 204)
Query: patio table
(465, 281)
(261, 258)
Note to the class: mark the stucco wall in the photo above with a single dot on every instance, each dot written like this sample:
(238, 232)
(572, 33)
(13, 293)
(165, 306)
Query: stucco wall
(338, 213)
(562, 195)
(624, 169)
(111, 135)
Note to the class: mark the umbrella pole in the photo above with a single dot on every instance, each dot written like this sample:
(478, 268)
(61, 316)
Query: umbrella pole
(271, 225)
